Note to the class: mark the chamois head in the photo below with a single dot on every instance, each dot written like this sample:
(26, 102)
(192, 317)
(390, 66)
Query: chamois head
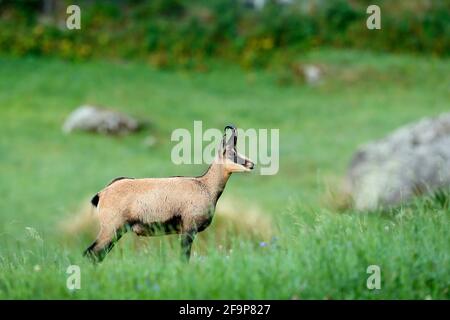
(229, 157)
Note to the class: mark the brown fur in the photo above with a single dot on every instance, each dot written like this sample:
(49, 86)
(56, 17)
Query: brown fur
(150, 206)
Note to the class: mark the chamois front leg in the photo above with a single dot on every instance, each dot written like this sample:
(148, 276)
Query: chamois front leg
(186, 243)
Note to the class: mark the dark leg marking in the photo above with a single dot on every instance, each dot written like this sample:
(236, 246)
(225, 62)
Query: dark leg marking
(96, 252)
(186, 244)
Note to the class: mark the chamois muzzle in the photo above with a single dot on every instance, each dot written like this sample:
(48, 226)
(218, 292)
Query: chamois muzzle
(249, 165)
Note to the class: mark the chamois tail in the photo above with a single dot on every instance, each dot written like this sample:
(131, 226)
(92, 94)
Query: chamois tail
(95, 200)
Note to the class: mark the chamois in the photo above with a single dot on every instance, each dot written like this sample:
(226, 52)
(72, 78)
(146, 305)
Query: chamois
(175, 205)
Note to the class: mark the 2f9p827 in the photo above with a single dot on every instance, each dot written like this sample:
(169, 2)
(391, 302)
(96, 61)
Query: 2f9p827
(246, 309)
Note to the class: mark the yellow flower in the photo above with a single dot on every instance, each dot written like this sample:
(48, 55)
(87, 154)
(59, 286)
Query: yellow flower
(267, 43)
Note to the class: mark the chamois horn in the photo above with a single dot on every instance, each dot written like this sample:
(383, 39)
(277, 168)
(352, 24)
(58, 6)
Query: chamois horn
(233, 134)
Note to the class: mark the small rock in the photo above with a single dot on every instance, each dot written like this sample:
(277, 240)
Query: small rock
(312, 74)
(100, 120)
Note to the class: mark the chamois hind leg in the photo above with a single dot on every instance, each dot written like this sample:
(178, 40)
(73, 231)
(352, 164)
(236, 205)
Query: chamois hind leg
(186, 243)
(103, 244)
(105, 241)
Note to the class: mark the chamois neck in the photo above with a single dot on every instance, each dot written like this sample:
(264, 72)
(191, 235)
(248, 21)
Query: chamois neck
(215, 179)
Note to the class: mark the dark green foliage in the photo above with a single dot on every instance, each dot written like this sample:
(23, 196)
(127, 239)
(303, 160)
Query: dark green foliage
(180, 33)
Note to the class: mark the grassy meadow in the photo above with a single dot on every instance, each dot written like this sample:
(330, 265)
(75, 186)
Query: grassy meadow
(312, 250)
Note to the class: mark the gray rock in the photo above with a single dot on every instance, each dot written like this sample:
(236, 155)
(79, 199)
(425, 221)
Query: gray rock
(413, 160)
(100, 120)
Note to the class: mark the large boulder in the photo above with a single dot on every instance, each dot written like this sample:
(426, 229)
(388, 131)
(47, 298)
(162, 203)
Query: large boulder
(414, 159)
(100, 120)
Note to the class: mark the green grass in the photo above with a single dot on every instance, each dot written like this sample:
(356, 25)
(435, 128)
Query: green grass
(45, 176)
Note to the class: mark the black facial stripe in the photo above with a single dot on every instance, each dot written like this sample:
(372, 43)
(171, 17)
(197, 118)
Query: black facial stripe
(234, 156)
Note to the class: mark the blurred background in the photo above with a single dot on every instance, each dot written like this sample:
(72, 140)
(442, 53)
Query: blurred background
(175, 33)
(81, 107)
